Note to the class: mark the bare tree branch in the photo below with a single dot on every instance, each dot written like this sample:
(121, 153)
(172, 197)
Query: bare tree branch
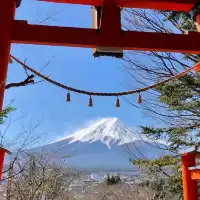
(28, 81)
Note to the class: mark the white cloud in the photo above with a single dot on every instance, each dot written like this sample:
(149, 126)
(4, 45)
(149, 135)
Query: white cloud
(71, 129)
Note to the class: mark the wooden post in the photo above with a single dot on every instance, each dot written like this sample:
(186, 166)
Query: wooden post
(7, 11)
(110, 15)
(190, 191)
(107, 19)
(198, 22)
(2, 154)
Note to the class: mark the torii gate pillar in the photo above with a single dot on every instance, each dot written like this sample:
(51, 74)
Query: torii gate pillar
(198, 22)
(190, 190)
(2, 155)
(7, 12)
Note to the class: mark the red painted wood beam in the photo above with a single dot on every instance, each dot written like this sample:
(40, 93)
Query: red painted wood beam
(198, 22)
(176, 5)
(7, 11)
(89, 38)
(2, 155)
(195, 174)
(190, 191)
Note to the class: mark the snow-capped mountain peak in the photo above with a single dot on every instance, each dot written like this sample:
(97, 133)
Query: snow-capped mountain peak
(103, 144)
(108, 131)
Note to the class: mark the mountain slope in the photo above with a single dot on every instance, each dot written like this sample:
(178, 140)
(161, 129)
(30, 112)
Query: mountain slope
(106, 144)
(109, 131)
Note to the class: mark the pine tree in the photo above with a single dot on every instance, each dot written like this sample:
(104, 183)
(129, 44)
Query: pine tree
(175, 105)
(118, 179)
(181, 97)
(108, 180)
(113, 180)
(4, 113)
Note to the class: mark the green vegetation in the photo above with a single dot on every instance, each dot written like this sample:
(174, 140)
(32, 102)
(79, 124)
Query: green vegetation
(175, 105)
(113, 180)
(4, 113)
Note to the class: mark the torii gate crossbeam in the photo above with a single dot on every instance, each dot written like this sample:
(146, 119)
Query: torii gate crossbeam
(24, 33)
(175, 5)
(109, 34)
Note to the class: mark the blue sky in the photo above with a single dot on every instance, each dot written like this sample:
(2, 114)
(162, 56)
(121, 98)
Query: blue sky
(75, 67)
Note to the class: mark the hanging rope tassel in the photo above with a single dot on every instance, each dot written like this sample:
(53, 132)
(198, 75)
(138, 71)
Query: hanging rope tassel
(90, 103)
(68, 98)
(117, 103)
(196, 69)
(139, 99)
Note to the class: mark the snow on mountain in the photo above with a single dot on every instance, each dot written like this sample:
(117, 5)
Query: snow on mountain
(107, 143)
(108, 131)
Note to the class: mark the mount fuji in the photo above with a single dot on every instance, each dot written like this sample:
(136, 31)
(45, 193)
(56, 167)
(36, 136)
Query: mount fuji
(106, 144)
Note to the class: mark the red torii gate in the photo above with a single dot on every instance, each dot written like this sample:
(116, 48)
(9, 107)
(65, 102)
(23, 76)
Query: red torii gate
(176, 5)
(190, 173)
(107, 34)
(2, 155)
